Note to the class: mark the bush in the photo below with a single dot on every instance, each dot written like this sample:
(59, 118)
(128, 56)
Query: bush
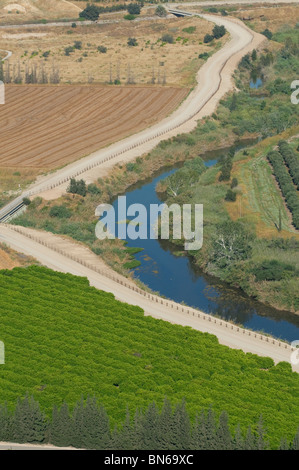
(132, 42)
(129, 17)
(102, 49)
(74, 25)
(218, 31)
(78, 45)
(61, 212)
(93, 189)
(273, 270)
(26, 201)
(230, 196)
(160, 11)
(77, 187)
(234, 183)
(134, 9)
(208, 38)
(91, 13)
(68, 50)
(267, 33)
(167, 38)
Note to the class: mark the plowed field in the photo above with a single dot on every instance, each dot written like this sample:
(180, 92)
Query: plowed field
(50, 126)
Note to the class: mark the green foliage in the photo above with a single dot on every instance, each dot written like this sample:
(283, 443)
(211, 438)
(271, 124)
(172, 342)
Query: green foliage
(285, 182)
(102, 49)
(78, 45)
(189, 30)
(91, 13)
(273, 270)
(26, 201)
(65, 339)
(219, 31)
(134, 9)
(230, 196)
(208, 38)
(77, 187)
(62, 212)
(160, 11)
(93, 189)
(167, 38)
(132, 42)
(129, 17)
(267, 33)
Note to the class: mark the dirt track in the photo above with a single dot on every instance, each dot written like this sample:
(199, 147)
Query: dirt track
(214, 80)
(57, 125)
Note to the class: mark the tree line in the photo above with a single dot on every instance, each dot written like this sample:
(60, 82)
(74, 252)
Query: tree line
(88, 426)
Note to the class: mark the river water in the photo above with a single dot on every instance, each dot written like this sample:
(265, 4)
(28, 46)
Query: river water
(176, 277)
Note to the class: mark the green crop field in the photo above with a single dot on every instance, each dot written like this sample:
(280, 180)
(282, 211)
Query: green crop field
(65, 339)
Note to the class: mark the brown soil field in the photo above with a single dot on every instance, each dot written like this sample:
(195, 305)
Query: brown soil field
(49, 126)
(173, 64)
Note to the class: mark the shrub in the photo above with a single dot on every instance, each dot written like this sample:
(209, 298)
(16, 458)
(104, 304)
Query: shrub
(129, 17)
(77, 187)
(93, 189)
(26, 201)
(91, 12)
(102, 49)
(234, 183)
(61, 212)
(78, 45)
(132, 42)
(134, 9)
(267, 33)
(160, 11)
(218, 31)
(208, 38)
(273, 270)
(167, 38)
(74, 25)
(230, 195)
(68, 50)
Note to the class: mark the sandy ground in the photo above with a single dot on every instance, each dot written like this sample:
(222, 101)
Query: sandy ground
(106, 279)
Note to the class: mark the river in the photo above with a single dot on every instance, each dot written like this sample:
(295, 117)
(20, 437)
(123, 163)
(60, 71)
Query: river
(177, 278)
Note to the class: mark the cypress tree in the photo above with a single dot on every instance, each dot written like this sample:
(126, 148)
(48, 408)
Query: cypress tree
(238, 442)
(284, 445)
(182, 427)
(28, 423)
(250, 440)
(223, 435)
(295, 445)
(166, 440)
(61, 430)
(150, 424)
(261, 442)
(5, 424)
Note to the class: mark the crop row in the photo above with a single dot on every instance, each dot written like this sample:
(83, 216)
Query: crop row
(63, 343)
(291, 159)
(286, 185)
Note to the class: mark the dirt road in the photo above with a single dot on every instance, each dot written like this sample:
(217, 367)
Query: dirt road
(214, 80)
(65, 256)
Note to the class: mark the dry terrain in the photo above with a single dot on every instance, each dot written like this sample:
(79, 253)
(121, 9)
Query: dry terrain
(151, 60)
(10, 259)
(49, 126)
(17, 11)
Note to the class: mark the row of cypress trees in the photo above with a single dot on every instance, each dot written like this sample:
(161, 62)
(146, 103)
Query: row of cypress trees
(88, 426)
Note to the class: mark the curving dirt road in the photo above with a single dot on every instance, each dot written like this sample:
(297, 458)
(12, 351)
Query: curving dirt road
(214, 80)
